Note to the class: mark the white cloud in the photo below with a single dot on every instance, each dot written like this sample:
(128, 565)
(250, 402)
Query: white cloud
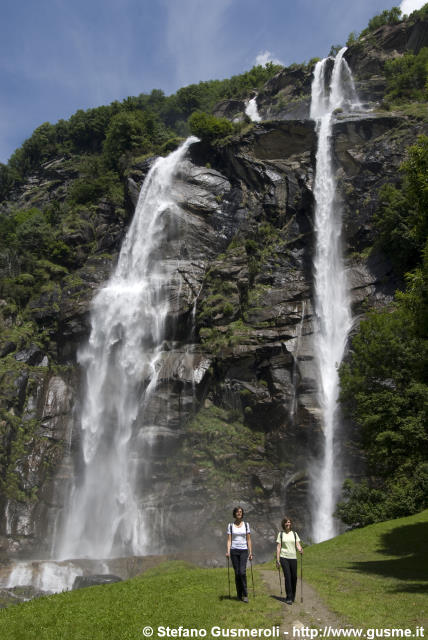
(266, 56)
(407, 6)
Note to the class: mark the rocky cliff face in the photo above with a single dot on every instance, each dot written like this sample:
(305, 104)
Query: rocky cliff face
(242, 422)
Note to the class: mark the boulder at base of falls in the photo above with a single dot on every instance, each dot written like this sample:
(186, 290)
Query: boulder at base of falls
(95, 580)
(16, 595)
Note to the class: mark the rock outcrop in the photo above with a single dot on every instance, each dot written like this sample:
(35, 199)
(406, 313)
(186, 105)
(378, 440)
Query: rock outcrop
(237, 369)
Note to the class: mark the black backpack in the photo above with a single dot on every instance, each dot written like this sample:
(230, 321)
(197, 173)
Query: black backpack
(231, 529)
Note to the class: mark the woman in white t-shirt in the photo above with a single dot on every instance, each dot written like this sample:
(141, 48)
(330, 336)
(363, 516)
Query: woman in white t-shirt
(287, 543)
(239, 549)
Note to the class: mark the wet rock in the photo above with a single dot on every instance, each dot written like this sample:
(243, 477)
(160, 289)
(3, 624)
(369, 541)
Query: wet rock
(239, 334)
(286, 96)
(81, 582)
(16, 595)
(232, 109)
(284, 140)
(32, 356)
(7, 348)
(367, 57)
(45, 307)
(133, 191)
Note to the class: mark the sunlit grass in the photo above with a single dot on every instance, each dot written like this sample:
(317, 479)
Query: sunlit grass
(172, 594)
(376, 576)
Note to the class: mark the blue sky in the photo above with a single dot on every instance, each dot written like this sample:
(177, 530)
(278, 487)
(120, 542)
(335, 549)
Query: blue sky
(57, 56)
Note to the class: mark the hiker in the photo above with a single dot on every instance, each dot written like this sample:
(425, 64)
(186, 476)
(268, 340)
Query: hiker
(239, 549)
(288, 542)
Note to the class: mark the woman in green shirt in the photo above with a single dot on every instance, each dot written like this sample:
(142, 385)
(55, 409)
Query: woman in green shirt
(288, 543)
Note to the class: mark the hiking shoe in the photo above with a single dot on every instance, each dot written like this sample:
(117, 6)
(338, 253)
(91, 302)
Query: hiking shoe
(288, 601)
(244, 599)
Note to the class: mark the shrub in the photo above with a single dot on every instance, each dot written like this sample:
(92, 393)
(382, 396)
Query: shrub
(6, 181)
(209, 128)
(38, 148)
(407, 76)
(126, 132)
(34, 232)
(384, 380)
(334, 50)
(391, 16)
(352, 39)
(401, 220)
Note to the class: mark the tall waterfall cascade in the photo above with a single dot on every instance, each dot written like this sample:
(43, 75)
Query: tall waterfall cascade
(332, 299)
(105, 517)
(251, 110)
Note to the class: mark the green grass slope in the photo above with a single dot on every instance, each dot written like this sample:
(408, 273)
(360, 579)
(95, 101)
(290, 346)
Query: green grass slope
(172, 594)
(377, 577)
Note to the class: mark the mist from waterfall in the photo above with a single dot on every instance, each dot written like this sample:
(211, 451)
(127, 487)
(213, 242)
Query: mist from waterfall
(105, 516)
(332, 300)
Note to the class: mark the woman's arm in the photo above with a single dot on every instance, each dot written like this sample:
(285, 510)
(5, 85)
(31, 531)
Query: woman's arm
(278, 552)
(229, 542)
(250, 547)
(299, 546)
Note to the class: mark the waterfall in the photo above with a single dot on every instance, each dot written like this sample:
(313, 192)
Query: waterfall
(251, 110)
(332, 301)
(105, 516)
(46, 576)
(294, 373)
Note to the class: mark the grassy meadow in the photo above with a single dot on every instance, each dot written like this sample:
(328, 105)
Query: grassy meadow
(171, 594)
(375, 577)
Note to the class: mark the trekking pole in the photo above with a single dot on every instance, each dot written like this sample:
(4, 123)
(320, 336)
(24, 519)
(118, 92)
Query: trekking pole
(279, 576)
(252, 579)
(228, 574)
(301, 577)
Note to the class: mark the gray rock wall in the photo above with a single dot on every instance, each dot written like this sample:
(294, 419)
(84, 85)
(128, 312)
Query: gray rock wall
(238, 370)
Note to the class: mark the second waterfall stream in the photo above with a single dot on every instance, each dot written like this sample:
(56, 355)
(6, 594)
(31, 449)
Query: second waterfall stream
(332, 89)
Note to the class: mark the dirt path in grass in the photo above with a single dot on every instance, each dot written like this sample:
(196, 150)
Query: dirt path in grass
(311, 613)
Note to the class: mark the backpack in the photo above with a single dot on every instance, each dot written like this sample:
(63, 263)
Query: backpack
(231, 529)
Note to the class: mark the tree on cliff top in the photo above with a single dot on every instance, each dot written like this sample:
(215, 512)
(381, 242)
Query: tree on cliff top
(209, 128)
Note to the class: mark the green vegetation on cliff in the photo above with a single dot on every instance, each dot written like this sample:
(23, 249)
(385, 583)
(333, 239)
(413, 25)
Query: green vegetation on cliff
(209, 127)
(68, 207)
(388, 17)
(123, 130)
(407, 77)
(391, 16)
(215, 438)
(384, 382)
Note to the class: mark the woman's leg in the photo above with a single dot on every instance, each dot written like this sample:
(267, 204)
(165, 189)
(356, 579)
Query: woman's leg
(235, 564)
(239, 562)
(243, 572)
(293, 571)
(285, 564)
